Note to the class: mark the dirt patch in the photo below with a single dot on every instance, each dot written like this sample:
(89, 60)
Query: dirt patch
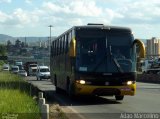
(63, 112)
(55, 112)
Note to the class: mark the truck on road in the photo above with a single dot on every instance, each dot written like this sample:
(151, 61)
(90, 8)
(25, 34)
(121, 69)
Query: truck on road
(146, 65)
(31, 68)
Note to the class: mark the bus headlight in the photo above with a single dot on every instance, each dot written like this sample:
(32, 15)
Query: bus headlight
(129, 82)
(83, 82)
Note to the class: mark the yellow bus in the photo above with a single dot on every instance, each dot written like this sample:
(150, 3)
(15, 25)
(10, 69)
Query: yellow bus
(95, 60)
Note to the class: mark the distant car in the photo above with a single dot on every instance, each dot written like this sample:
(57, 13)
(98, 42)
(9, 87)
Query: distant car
(15, 69)
(20, 67)
(6, 67)
(43, 72)
(22, 73)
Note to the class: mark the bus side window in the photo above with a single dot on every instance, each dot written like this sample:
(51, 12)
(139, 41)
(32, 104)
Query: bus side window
(52, 49)
(63, 44)
(69, 39)
(60, 46)
(73, 33)
(66, 48)
(57, 47)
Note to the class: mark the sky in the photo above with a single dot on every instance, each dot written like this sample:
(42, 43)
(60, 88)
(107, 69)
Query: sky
(20, 18)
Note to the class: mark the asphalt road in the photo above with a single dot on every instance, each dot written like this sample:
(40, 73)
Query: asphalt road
(146, 100)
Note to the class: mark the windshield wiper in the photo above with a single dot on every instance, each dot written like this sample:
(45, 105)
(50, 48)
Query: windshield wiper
(115, 60)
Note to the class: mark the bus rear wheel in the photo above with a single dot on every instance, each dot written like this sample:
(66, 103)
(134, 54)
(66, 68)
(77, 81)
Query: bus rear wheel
(70, 90)
(58, 90)
(119, 97)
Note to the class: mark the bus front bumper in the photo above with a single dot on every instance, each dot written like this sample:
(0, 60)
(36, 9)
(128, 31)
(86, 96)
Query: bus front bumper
(105, 90)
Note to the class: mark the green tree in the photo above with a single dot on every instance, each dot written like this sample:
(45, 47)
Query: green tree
(18, 43)
(3, 50)
(22, 44)
(9, 44)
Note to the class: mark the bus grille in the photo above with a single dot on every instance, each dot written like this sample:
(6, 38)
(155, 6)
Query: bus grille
(105, 91)
(111, 83)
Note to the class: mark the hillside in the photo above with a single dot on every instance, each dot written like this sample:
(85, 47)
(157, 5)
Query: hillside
(5, 38)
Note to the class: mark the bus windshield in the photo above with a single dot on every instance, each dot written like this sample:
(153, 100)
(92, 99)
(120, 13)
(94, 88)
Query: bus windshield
(108, 53)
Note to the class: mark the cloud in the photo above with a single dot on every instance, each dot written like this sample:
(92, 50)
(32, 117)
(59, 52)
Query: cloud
(28, 1)
(139, 12)
(5, 1)
(80, 11)
(67, 13)
(77, 12)
(3, 17)
(53, 8)
(75, 22)
(82, 8)
(19, 18)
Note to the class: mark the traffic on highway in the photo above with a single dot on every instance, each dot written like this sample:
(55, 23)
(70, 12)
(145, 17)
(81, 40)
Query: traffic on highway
(79, 59)
(89, 66)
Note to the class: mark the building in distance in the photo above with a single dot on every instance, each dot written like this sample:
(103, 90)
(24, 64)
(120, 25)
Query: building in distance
(153, 48)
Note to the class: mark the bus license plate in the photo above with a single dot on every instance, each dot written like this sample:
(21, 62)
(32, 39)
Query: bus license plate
(106, 83)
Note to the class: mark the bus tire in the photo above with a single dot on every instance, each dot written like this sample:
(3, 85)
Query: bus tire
(58, 90)
(70, 90)
(119, 97)
(55, 80)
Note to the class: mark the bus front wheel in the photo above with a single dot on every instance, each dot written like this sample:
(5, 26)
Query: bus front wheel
(119, 97)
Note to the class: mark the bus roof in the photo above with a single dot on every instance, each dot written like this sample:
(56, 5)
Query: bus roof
(103, 27)
(99, 26)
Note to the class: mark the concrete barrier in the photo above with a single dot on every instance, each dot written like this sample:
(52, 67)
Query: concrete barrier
(41, 101)
(40, 95)
(44, 108)
(45, 111)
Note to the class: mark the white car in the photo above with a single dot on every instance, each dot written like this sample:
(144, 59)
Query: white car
(15, 69)
(43, 72)
(22, 73)
(6, 67)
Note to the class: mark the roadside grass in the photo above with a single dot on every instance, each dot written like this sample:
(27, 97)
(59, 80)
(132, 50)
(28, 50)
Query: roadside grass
(6, 76)
(12, 81)
(17, 102)
(15, 98)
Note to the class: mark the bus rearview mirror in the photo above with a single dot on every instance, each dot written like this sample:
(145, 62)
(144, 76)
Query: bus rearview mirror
(72, 49)
(141, 47)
